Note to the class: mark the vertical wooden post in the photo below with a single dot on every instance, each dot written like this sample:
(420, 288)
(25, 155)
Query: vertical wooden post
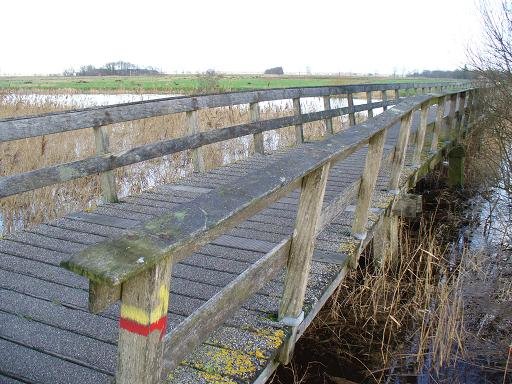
(301, 252)
(142, 325)
(299, 129)
(385, 240)
(384, 99)
(107, 179)
(397, 95)
(456, 167)
(399, 152)
(369, 101)
(452, 121)
(460, 116)
(197, 153)
(439, 124)
(328, 122)
(254, 109)
(468, 112)
(368, 180)
(351, 115)
(420, 134)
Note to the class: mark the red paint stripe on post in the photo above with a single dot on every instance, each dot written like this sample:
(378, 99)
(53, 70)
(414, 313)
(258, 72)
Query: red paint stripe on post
(144, 330)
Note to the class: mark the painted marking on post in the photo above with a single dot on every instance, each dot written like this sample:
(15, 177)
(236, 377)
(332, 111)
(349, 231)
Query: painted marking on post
(141, 322)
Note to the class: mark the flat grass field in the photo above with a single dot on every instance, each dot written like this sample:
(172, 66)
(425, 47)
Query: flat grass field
(186, 84)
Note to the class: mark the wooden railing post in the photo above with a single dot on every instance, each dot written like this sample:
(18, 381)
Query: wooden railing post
(384, 99)
(399, 153)
(439, 124)
(351, 114)
(328, 122)
(460, 116)
(420, 134)
(368, 180)
(197, 153)
(301, 252)
(299, 129)
(254, 109)
(452, 121)
(142, 325)
(397, 95)
(107, 179)
(369, 101)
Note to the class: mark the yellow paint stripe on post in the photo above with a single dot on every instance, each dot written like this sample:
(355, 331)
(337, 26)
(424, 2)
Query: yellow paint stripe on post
(144, 317)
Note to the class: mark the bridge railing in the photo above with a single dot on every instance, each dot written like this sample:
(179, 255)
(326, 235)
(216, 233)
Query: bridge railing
(136, 267)
(105, 161)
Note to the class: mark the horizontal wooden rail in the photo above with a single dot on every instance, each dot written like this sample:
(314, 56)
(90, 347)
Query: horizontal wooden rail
(32, 126)
(27, 181)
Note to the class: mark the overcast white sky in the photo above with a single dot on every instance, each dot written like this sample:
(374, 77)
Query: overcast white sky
(40, 37)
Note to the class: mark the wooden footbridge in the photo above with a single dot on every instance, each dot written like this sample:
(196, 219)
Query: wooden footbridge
(212, 279)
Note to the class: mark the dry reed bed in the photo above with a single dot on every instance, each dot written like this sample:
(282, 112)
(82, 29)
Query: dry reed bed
(47, 203)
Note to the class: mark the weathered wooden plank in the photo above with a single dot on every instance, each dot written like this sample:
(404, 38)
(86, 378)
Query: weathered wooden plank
(107, 179)
(254, 109)
(351, 114)
(299, 128)
(301, 251)
(369, 101)
(210, 214)
(420, 134)
(400, 152)
(214, 312)
(371, 170)
(101, 296)
(106, 220)
(328, 122)
(18, 128)
(438, 127)
(193, 129)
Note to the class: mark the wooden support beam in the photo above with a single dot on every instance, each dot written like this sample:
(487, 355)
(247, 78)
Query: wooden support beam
(399, 152)
(452, 121)
(107, 179)
(197, 153)
(384, 96)
(328, 122)
(385, 241)
(397, 95)
(370, 173)
(101, 296)
(351, 115)
(369, 101)
(299, 129)
(254, 109)
(142, 325)
(420, 134)
(456, 159)
(301, 252)
(439, 124)
(408, 205)
(460, 116)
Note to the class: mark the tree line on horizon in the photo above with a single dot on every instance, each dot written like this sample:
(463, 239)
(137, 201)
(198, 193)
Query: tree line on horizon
(115, 68)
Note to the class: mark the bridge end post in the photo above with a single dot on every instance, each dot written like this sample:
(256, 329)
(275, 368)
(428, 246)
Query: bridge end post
(254, 109)
(142, 325)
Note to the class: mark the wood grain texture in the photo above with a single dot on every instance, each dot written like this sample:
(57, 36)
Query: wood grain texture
(101, 296)
(369, 178)
(140, 356)
(328, 121)
(369, 101)
(193, 330)
(107, 179)
(351, 114)
(259, 147)
(194, 129)
(299, 128)
(400, 151)
(420, 134)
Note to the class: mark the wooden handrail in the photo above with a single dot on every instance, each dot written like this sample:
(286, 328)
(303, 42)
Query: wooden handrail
(32, 126)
